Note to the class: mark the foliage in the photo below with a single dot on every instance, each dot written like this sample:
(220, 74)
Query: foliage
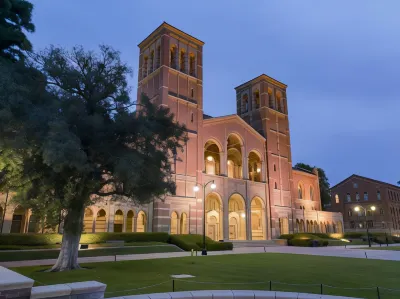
(195, 242)
(50, 239)
(308, 242)
(15, 18)
(306, 236)
(324, 185)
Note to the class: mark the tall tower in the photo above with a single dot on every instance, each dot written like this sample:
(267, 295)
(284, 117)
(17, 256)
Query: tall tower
(262, 103)
(171, 74)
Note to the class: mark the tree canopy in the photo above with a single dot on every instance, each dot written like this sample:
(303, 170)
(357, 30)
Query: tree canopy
(324, 185)
(69, 123)
(15, 18)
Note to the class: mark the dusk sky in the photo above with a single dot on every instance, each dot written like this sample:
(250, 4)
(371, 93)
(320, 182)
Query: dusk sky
(340, 60)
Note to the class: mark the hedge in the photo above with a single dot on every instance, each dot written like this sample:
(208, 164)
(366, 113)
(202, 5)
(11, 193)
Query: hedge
(308, 242)
(50, 239)
(195, 242)
(304, 236)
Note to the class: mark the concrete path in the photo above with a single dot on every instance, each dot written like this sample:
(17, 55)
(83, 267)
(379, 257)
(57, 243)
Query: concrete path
(321, 251)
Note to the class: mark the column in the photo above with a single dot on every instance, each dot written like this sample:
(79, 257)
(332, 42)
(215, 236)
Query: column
(124, 221)
(248, 220)
(225, 223)
(245, 163)
(223, 161)
(134, 220)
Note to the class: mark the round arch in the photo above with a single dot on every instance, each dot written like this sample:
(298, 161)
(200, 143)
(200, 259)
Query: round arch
(118, 221)
(212, 159)
(214, 216)
(234, 156)
(141, 220)
(254, 165)
(101, 221)
(18, 220)
(174, 225)
(257, 211)
(88, 221)
(183, 224)
(129, 221)
(300, 190)
(237, 217)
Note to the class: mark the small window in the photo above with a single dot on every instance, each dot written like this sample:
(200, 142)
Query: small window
(357, 196)
(350, 213)
(274, 167)
(378, 195)
(355, 185)
(370, 223)
(369, 213)
(182, 61)
(352, 224)
(311, 193)
(304, 208)
(191, 117)
(382, 212)
(300, 191)
(337, 198)
(276, 185)
(365, 195)
(348, 197)
(301, 207)
(192, 93)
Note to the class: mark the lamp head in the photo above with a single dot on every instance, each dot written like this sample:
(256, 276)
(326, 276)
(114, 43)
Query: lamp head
(373, 208)
(243, 215)
(357, 209)
(209, 158)
(196, 188)
(213, 186)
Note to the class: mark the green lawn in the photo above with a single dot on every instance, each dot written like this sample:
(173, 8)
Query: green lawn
(246, 271)
(52, 254)
(384, 247)
(343, 243)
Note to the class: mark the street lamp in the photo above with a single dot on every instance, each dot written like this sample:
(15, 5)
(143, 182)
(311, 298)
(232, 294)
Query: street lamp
(372, 208)
(196, 189)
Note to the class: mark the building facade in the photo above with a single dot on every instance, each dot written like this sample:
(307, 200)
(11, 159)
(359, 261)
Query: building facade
(258, 194)
(357, 191)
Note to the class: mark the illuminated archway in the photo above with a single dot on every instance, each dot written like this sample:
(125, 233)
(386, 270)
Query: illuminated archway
(237, 218)
(339, 227)
(101, 222)
(234, 160)
(88, 221)
(254, 167)
(174, 224)
(129, 221)
(183, 225)
(214, 217)
(284, 225)
(34, 224)
(212, 158)
(118, 221)
(257, 219)
(141, 222)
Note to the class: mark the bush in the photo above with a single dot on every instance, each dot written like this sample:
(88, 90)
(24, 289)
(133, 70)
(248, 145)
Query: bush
(195, 242)
(308, 242)
(396, 239)
(286, 236)
(354, 235)
(50, 239)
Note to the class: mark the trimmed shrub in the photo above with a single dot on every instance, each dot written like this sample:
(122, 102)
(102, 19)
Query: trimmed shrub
(195, 242)
(50, 239)
(396, 239)
(308, 242)
(286, 236)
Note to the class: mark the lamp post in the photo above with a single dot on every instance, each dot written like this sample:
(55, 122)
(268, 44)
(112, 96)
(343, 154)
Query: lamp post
(372, 208)
(196, 189)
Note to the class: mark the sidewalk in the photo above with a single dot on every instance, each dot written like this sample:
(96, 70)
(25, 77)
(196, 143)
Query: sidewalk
(321, 251)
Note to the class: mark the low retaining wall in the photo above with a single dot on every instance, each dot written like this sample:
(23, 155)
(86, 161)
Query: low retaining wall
(16, 286)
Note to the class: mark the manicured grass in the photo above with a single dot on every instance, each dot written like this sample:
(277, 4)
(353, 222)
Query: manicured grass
(343, 243)
(240, 270)
(57, 246)
(52, 254)
(384, 247)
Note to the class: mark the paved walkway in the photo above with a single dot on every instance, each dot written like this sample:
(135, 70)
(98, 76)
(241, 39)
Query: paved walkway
(321, 251)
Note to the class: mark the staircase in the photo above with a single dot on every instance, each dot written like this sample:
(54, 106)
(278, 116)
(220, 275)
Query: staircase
(258, 243)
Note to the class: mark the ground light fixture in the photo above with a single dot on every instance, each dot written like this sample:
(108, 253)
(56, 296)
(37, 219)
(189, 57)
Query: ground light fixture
(196, 189)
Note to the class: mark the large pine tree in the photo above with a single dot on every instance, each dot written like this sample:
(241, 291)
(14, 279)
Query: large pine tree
(69, 120)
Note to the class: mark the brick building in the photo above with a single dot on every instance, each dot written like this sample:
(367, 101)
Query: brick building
(258, 195)
(365, 192)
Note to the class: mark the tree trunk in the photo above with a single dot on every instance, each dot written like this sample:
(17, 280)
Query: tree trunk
(68, 257)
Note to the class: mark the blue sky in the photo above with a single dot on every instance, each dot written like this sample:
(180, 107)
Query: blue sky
(340, 60)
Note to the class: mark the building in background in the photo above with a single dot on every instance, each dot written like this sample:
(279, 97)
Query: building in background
(258, 196)
(361, 191)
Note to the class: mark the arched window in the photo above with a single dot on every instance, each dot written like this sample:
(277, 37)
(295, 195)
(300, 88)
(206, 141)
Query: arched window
(172, 57)
(337, 198)
(158, 57)
(271, 100)
(350, 212)
(144, 66)
(311, 193)
(276, 185)
(300, 191)
(381, 211)
(279, 101)
(357, 196)
(192, 66)
(151, 63)
(182, 61)
(245, 103)
(274, 167)
(256, 96)
(118, 221)
(254, 167)
(365, 195)
(348, 197)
